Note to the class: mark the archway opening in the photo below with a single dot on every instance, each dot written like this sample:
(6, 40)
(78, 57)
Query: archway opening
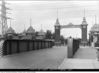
(73, 32)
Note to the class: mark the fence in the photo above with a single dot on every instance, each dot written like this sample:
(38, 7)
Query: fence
(76, 43)
(73, 46)
(16, 46)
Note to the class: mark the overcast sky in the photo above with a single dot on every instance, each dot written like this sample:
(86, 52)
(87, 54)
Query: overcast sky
(45, 13)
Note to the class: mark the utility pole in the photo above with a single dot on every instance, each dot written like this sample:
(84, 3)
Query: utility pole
(4, 17)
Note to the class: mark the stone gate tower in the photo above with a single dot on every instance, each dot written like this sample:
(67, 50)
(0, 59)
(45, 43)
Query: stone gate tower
(57, 32)
(84, 31)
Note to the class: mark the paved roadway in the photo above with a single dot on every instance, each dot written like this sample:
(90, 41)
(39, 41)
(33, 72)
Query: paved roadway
(39, 59)
(52, 58)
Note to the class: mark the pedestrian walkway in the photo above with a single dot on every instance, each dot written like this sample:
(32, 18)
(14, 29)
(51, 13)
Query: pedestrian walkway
(49, 58)
(86, 53)
(85, 58)
(79, 64)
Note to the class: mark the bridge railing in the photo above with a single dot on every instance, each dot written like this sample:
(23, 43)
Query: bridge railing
(17, 46)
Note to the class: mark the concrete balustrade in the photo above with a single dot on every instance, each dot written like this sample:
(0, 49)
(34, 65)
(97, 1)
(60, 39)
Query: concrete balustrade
(17, 46)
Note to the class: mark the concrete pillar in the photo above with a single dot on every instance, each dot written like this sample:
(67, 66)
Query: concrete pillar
(98, 54)
(70, 48)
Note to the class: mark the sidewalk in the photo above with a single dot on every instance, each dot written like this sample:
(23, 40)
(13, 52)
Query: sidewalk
(86, 53)
(39, 59)
(79, 64)
(85, 58)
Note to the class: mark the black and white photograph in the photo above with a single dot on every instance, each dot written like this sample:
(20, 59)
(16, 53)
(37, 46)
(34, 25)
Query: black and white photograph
(49, 35)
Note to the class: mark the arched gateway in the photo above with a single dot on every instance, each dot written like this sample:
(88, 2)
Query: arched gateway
(82, 26)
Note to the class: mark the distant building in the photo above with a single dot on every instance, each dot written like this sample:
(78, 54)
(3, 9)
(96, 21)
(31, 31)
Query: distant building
(10, 31)
(94, 35)
(29, 33)
(40, 35)
(24, 33)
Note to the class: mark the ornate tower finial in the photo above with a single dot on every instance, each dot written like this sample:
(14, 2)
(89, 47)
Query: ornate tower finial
(30, 22)
(57, 13)
(10, 22)
(24, 28)
(57, 22)
(41, 27)
(84, 19)
(95, 19)
(84, 12)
